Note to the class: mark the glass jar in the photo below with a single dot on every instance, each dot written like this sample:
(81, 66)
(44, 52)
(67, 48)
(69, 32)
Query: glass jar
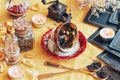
(17, 8)
(27, 42)
(2, 37)
(12, 50)
(23, 30)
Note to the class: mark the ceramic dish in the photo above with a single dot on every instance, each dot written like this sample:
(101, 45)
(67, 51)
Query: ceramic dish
(115, 44)
(110, 59)
(115, 17)
(96, 40)
(44, 44)
(102, 21)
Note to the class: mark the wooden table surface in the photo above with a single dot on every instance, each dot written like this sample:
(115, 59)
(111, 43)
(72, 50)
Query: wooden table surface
(39, 54)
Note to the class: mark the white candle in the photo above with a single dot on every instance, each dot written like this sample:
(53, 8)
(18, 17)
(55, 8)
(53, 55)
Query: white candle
(38, 19)
(107, 33)
(16, 73)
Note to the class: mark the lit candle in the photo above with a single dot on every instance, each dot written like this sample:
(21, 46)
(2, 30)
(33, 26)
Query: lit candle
(16, 73)
(38, 19)
(107, 34)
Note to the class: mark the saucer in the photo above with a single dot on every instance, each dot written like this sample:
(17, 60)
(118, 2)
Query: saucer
(44, 43)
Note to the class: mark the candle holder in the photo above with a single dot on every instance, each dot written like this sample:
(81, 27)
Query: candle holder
(57, 11)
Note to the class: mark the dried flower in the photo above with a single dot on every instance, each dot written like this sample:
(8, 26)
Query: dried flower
(101, 6)
(84, 3)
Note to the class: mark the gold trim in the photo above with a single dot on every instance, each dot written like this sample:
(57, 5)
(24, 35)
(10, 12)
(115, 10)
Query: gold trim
(104, 55)
(115, 16)
(95, 22)
(96, 41)
(95, 36)
(115, 43)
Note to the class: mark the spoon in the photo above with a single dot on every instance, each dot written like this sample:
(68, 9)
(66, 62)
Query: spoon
(43, 76)
(50, 64)
(82, 70)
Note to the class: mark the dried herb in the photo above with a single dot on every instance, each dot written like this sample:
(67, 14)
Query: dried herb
(103, 73)
(113, 75)
(94, 66)
(26, 43)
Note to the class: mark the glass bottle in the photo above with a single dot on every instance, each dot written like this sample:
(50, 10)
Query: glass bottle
(17, 8)
(12, 50)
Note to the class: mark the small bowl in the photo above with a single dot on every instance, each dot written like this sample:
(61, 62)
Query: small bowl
(17, 11)
(44, 43)
(107, 34)
(17, 15)
(38, 19)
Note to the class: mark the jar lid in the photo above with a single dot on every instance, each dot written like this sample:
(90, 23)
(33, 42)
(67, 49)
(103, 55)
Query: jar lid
(22, 26)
